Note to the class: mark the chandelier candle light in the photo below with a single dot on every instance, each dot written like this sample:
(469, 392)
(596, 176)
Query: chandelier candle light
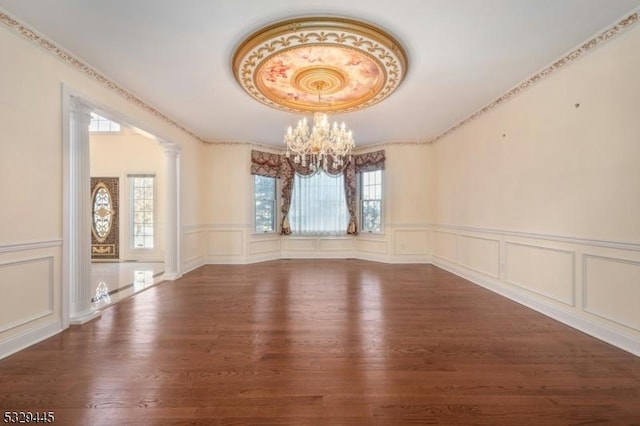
(314, 146)
(321, 64)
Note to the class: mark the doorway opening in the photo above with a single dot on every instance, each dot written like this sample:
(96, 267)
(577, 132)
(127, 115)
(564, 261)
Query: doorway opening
(131, 238)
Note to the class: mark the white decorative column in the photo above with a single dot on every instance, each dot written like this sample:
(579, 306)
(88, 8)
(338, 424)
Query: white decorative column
(80, 287)
(172, 210)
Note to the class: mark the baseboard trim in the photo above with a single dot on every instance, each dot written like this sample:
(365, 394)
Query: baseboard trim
(29, 338)
(584, 324)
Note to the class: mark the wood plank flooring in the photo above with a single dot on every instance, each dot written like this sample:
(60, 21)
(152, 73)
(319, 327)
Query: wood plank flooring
(323, 342)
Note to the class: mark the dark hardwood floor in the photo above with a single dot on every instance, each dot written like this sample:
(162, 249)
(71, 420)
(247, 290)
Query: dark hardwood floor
(327, 342)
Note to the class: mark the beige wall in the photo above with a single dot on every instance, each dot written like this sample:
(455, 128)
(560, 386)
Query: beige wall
(546, 214)
(123, 154)
(540, 198)
(31, 182)
(226, 233)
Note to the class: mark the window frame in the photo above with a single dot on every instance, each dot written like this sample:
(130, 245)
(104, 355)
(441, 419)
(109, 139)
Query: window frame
(95, 117)
(276, 203)
(132, 246)
(361, 201)
(338, 233)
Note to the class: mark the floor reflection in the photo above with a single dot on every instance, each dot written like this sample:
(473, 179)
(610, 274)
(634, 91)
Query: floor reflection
(113, 281)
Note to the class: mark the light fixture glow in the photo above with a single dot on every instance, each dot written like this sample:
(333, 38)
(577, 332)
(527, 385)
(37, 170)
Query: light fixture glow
(322, 145)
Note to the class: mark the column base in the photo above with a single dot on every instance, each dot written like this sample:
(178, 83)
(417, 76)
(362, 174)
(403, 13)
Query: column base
(171, 276)
(84, 317)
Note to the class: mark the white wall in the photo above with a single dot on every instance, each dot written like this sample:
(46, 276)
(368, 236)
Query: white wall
(120, 155)
(539, 199)
(31, 182)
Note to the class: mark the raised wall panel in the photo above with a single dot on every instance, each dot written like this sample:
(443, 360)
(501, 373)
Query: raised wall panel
(299, 244)
(612, 289)
(543, 270)
(480, 254)
(27, 287)
(411, 242)
(194, 245)
(444, 245)
(225, 242)
(371, 246)
(336, 244)
(264, 246)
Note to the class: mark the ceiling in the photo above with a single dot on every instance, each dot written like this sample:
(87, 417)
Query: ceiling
(177, 56)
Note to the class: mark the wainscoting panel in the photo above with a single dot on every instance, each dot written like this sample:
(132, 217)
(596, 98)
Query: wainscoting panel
(612, 289)
(480, 254)
(546, 271)
(293, 244)
(27, 287)
(194, 248)
(375, 246)
(445, 245)
(336, 244)
(30, 302)
(222, 242)
(592, 285)
(411, 242)
(265, 245)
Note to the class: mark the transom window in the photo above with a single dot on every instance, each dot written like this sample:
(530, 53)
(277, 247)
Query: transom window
(100, 124)
(371, 201)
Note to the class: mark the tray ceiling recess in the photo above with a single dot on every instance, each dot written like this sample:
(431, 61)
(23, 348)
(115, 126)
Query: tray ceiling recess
(324, 64)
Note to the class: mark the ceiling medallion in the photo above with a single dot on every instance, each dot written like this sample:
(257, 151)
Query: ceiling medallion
(315, 64)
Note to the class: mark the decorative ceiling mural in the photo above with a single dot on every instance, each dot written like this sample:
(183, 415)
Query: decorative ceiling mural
(320, 64)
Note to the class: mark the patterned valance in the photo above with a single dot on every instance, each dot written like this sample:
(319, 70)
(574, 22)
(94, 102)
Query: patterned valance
(271, 165)
(279, 166)
(308, 171)
(370, 161)
(265, 164)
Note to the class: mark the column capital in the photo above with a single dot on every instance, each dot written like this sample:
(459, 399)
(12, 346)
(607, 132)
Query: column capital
(170, 149)
(81, 110)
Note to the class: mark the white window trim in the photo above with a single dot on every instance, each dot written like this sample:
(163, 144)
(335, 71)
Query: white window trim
(276, 227)
(382, 205)
(132, 246)
(321, 234)
(106, 132)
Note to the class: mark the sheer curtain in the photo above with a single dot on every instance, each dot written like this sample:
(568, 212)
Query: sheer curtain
(318, 205)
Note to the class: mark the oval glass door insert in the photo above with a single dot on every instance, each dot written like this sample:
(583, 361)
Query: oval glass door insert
(102, 212)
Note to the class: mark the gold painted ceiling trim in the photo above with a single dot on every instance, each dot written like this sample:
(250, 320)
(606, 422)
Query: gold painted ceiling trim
(586, 47)
(323, 63)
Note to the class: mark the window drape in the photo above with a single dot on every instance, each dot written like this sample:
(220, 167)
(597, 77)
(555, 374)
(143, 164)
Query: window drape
(318, 205)
(274, 165)
(265, 164)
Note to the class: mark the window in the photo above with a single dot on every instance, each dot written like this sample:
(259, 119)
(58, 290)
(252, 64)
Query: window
(142, 211)
(100, 124)
(265, 203)
(371, 201)
(318, 205)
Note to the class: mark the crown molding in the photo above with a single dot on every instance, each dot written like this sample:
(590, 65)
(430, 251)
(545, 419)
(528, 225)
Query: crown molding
(586, 47)
(575, 54)
(90, 71)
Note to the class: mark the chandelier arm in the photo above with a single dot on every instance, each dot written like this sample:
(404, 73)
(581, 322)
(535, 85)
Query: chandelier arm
(323, 145)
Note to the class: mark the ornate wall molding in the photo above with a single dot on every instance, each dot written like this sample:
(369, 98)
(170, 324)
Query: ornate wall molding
(569, 58)
(81, 66)
(586, 47)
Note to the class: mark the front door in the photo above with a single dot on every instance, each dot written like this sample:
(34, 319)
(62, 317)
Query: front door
(105, 235)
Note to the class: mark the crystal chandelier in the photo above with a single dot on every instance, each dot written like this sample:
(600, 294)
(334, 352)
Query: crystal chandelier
(313, 147)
